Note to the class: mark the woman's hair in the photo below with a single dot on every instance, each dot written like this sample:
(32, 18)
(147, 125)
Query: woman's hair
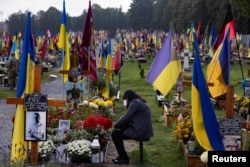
(131, 95)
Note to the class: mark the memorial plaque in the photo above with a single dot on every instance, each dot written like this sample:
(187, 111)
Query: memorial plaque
(35, 102)
(247, 91)
(230, 126)
(74, 72)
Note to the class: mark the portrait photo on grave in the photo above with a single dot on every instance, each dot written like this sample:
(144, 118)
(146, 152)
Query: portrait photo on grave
(64, 126)
(75, 92)
(232, 142)
(35, 126)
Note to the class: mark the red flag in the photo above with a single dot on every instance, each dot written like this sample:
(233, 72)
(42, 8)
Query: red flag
(199, 36)
(116, 64)
(44, 48)
(87, 54)
(228, 23)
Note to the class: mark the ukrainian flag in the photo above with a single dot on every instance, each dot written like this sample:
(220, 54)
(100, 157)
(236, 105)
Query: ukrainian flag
(205, 123)
(166, 67)
(218, 71)
(101, 61)
(25, 86)
(63, 44)
(108, 72)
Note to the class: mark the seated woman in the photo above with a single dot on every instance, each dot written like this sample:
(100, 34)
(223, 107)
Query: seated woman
(134, 124)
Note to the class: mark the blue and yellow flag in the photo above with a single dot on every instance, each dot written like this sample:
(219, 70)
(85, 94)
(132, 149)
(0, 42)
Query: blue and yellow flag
(205, 123)
(166, 67)
(25, 86)
(108, 71)
(101, 62)
(218, 71)
(63, 44)
(191, 36)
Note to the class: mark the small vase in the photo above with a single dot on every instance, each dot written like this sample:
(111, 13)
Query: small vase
(97, 157)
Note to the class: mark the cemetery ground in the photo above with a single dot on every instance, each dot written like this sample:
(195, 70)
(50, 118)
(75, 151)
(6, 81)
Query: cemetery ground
(161, 150)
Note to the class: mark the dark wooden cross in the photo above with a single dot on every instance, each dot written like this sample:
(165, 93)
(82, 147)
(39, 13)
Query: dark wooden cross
(75, 64)
(37, 89)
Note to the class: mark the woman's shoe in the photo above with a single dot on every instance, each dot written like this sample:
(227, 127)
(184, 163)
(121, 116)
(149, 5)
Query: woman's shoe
(116, 159)
(121, 161)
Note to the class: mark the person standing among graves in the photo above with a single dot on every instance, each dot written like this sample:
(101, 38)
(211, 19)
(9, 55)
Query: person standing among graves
(135, 124)
(13, 68)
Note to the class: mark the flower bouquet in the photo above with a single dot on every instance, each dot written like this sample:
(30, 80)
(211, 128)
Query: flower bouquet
(45, 149)
(184, 130)
(99, 126)
(79, 151)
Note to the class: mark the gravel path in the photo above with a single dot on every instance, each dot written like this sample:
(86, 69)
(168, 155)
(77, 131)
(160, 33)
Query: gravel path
(53, 89)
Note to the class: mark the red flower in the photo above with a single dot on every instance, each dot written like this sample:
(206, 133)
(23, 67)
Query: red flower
(90, 122)
(101, 121)
(61, 112)
(50, 117)
(108, 123)
(70, 113)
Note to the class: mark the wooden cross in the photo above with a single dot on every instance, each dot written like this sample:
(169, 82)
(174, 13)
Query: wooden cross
(75, 64)
(37, 88)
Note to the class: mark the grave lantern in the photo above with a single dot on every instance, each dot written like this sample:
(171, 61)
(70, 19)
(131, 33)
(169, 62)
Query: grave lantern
(96, 156)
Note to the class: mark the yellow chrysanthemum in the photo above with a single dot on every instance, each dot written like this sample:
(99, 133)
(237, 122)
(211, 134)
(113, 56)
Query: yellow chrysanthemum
(108, 103)
(93, 105)
(96, 101)
(101, 103)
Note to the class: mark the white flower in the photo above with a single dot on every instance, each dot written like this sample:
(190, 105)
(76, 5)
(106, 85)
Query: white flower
(79, 148)
(204, 157)
(45, 148)
(90, 104)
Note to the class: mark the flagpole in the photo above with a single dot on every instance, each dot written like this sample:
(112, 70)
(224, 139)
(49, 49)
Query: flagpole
(63, 74)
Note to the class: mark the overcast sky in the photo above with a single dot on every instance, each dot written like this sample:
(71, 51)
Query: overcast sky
(73, 7)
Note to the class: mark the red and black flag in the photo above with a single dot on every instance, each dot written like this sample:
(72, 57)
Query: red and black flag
(228, 23)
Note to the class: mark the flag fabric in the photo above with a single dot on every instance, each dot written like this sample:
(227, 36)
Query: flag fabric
(199, 35)
(205, 123)
(116, 63)
(166, 67)
(212, 35)
(218, 71)
(191, 36)
(63, 44)
(211, 41)
(205, 37)
(44, 48)
(88, 51)
(108, 71)
(101, 58)
(25, 85)
(228, 24)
